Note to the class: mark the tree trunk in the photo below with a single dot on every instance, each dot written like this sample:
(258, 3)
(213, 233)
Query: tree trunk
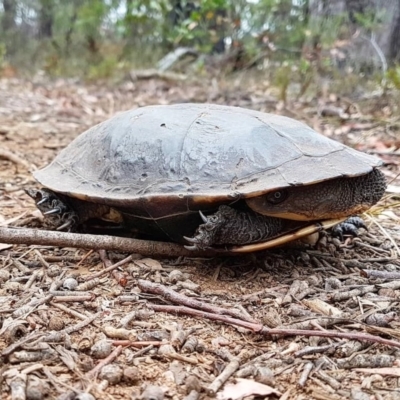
(395, 41)
(373, 29)
(46, 19)
(9, 27)
(8, 20)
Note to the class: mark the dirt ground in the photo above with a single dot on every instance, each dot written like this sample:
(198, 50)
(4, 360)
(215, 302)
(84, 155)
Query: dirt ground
(188, 328)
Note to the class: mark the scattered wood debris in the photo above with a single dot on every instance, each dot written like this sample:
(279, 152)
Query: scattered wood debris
(298, 323)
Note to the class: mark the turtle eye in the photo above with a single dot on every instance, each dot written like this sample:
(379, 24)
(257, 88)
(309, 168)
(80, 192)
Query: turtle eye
(277, 197)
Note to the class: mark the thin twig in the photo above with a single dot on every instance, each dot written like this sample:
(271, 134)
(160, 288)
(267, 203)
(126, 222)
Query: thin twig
(108, 269)
(377, 274)
(258, 328)
(380, 54)
(148, 343)
(73, 299)
(382, 229)
(228, 371)
(175, 297)
(92, 373)
(10, 349)
(10, 156)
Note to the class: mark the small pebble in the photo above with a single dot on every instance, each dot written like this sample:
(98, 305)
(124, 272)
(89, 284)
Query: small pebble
(166, 349)
(175, 276)
(112, 373)
(131, 374)
(101, 349)
(192, 383)
(53, 271)
(36, 389)
(56, 323)
(70, 284)
(153, 393)
(4, 275)
(12, 287)
(84, 396)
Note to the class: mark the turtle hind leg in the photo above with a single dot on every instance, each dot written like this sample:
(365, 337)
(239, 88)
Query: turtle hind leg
(229, 226)
(54, 208)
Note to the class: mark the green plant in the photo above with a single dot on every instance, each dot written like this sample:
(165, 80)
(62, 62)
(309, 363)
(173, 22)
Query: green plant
(201, 25)
(2, 53)
(393, 77)
(282, 78)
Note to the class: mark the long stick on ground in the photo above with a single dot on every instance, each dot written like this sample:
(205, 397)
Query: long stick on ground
(97, 242)
(258, 328)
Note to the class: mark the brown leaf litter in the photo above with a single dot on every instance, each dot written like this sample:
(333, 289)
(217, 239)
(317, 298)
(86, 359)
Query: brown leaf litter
(291, 323)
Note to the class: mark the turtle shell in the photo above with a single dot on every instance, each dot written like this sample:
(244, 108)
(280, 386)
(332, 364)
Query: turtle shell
(162, 160)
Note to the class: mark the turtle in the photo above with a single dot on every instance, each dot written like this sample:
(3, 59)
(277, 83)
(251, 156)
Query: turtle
(206, 175)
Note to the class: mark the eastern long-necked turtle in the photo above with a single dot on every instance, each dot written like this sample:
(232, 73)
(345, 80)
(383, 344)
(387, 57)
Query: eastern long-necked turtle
(217, 174)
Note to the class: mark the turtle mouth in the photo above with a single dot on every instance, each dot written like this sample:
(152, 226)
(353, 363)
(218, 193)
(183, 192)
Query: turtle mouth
(319, 215)
(300, 210)
(293, 216)
(317, 211)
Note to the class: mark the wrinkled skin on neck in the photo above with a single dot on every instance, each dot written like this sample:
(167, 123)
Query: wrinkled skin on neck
(335, 198)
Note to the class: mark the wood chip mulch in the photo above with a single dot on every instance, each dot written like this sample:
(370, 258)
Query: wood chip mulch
(301, 322)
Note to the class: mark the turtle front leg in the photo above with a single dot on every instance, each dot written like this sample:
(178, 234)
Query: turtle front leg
(54, 208)
(233, 227)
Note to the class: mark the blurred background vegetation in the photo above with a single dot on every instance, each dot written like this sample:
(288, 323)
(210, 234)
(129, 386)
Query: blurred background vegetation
(291, 39)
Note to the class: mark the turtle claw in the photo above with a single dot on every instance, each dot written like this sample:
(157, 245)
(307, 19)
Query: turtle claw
(191, 240)
(204, 237)
(50, 212)
(191, 248)
(44, 200)
(203, 217)
(67, 224)
(54, 208)
(196, 243)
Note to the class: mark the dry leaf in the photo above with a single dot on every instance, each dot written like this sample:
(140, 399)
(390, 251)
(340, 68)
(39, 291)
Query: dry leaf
(149, 263)
(4, 246)
(245, 387)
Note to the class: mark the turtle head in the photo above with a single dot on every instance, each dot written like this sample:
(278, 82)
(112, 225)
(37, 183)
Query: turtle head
(334, 198)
